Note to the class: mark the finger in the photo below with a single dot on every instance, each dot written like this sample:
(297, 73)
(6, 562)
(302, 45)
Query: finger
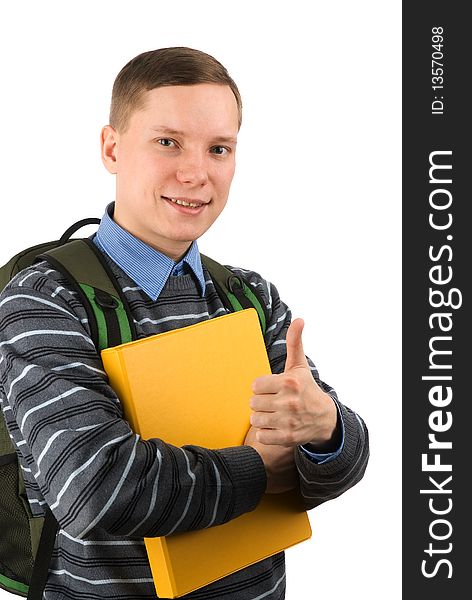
(263, 402)
(295, 353)
(274, 437)
(267, 384)
(265, 420)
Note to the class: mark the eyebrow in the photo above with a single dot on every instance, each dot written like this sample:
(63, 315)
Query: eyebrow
(229, 139)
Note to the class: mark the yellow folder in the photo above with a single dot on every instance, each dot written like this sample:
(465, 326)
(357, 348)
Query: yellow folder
(192, 386)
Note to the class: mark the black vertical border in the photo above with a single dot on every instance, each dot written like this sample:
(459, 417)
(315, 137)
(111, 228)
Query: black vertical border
(423, 133)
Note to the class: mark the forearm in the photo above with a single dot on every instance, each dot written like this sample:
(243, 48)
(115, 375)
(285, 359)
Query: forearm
(328, 480)
(88, 465)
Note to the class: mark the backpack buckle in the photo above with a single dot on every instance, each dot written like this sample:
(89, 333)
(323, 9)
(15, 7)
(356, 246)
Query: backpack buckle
(231, 284)
(105, 300)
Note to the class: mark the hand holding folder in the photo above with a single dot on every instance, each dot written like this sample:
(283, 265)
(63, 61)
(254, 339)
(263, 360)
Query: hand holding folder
(279, 463)
(203, 400)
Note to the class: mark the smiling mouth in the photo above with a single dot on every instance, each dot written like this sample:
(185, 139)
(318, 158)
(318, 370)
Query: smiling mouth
(187, 203)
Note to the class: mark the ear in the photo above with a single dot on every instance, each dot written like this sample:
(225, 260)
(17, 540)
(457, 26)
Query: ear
(108, 143)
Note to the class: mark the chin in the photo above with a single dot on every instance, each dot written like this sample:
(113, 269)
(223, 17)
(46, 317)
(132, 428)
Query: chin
(188, 235)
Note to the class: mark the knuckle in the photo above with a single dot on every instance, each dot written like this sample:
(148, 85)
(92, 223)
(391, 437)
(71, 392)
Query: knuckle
(292, 384)
(293, 405)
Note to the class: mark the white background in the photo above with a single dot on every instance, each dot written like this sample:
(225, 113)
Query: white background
(318, 173)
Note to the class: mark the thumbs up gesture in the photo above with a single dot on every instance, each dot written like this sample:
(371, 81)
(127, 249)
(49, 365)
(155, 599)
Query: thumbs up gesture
(290, 409)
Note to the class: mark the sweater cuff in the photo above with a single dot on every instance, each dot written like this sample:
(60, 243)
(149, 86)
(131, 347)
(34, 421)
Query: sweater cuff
(248, 475)
(353, 432)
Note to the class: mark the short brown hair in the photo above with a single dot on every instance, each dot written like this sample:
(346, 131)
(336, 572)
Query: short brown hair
(159, 68)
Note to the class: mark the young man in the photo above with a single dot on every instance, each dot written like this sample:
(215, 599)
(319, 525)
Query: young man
(171, 144)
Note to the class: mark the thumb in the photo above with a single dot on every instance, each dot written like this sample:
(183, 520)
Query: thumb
(295, 354)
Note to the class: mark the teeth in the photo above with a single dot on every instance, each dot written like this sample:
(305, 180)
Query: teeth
(182, 203)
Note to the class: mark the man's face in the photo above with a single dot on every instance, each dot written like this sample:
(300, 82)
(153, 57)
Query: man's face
(180, 146)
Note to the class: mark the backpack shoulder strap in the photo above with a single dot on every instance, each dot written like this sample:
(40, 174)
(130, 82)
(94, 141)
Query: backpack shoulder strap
(235, 290)
(26, 257)
(81, 262)
(110, 320)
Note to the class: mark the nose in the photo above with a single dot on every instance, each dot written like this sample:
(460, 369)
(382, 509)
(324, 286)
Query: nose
(192, 170)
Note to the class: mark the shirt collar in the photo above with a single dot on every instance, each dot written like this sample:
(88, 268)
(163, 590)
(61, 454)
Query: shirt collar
(148, 267)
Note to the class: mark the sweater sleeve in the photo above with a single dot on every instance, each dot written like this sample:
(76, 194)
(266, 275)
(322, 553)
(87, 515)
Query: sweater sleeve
(318, 481)
(77, 452)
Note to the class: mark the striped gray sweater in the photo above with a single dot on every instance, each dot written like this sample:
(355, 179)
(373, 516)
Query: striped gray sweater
(107, 487)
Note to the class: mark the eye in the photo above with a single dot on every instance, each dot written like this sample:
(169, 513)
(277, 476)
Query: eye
(220, 150)
(166, 142)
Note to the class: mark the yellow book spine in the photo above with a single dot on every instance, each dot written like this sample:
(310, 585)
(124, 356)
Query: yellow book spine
(161, 567)
(115, 366)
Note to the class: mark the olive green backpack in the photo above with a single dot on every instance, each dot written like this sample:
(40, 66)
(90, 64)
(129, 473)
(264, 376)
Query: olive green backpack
(27, 542)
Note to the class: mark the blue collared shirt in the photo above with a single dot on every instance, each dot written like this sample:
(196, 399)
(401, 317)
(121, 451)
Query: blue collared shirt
(150, 269)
